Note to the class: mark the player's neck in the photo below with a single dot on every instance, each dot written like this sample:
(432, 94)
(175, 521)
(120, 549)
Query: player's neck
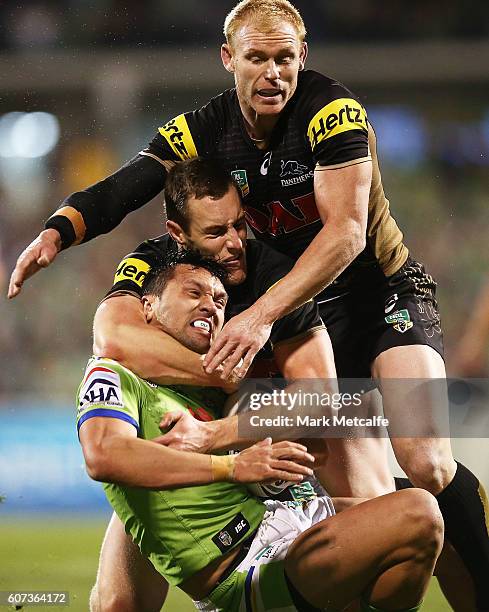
(259, 127)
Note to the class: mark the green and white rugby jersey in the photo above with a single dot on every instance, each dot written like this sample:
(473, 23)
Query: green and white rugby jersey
(180, 530)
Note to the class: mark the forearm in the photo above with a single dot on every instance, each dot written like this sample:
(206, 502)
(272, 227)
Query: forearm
(100, 208)
(145, 350)
(141, 463)
(331, 251)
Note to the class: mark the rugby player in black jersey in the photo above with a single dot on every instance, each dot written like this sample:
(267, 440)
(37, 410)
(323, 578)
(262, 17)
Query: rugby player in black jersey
(212, 223)
(304, 154)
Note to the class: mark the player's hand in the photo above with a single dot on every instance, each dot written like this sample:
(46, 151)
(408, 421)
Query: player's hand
(267, 462)
(186, 433)
(39, 254)
(240, 339)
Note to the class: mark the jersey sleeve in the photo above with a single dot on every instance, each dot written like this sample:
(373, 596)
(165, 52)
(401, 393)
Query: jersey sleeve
(189, 135)
(132, 270)
(108, 390)
(334, 121)
(272, 267)
(100, 208)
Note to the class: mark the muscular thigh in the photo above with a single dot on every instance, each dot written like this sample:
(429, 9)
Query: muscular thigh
(335, 559)
(357, 466)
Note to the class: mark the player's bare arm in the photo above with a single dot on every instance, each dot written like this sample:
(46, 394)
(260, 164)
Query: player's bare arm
(342, 201)
(114, 453)
(121, 332)
(299, 359)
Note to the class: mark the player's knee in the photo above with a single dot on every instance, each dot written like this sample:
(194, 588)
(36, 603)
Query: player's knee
(114, 601)
(430, 471)
(425, 521)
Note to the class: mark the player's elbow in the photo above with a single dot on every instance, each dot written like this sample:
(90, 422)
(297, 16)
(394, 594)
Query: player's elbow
(357, 238)
(107, 346)
(107, 339)
(97, 462)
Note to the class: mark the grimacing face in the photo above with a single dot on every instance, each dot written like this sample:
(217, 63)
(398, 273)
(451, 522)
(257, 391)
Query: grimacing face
(190, 309)
(265, 66)
(217, 229)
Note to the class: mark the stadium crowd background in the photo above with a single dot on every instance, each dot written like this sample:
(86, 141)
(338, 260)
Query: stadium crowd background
(83, 86)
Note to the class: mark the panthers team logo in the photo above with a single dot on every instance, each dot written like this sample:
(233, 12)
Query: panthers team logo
(292, 168)
(293, 173)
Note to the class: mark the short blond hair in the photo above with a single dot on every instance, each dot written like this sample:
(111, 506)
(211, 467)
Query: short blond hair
(265, 14)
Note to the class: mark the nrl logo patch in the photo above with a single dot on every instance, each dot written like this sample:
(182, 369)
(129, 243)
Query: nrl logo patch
(225, 538)
(241, 179)
(400, 320)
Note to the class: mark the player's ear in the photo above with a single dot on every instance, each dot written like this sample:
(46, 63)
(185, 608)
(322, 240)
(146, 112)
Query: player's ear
(148, 307)
(176, 232)
(227, 57)
(303, 56)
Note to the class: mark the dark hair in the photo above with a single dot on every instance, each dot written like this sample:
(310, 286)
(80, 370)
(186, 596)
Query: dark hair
(164, 270)
(198, 178)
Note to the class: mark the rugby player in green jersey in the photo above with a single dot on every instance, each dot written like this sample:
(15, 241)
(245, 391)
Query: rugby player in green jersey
(205, 532)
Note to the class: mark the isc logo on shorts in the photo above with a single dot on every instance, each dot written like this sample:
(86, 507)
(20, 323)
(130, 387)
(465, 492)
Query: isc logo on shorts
(339, 116)
(132, 269)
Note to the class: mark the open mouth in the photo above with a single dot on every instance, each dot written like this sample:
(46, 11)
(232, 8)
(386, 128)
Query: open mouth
(270, 94)
(202, 324)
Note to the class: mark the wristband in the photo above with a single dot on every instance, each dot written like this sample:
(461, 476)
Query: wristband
(65, 229)
(223, 467)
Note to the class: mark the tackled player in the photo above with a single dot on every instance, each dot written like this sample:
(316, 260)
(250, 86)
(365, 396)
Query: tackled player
(206, 533)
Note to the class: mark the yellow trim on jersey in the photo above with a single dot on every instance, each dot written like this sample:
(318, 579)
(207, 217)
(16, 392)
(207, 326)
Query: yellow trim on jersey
(132, 269)
(76, 219)
(177, 134)
(339, 116)
(353, 162)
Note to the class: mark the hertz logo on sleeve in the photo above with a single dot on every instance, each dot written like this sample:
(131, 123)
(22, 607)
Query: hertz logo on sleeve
(177, 133)
(339, 116)
(132, 269)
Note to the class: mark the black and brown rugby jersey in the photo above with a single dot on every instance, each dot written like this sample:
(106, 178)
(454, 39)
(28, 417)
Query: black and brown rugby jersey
(265, 267)
(323, 124)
